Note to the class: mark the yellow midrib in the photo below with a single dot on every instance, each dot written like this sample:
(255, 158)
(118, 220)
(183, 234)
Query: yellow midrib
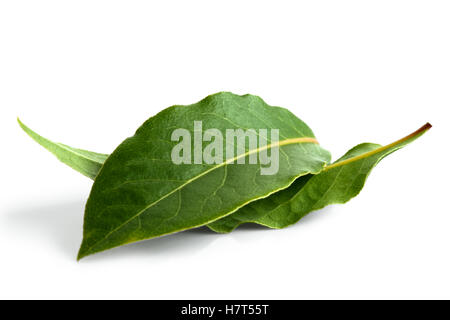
(378, 150)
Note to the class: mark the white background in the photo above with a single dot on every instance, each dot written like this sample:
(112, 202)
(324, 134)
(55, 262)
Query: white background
(88, 73)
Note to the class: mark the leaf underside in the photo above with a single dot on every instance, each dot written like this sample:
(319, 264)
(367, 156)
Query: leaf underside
(338, 183)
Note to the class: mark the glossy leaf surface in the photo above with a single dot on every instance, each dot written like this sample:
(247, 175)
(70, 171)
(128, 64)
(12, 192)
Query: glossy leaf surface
(140, 193)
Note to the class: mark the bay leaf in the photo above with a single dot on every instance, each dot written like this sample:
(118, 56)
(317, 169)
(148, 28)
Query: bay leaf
(85, 162)
(337, 183)
(140, 193)
(280, 209)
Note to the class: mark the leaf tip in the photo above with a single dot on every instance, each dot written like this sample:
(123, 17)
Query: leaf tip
(23, 126)
(80, 255)
(20, 122)
(82, 252)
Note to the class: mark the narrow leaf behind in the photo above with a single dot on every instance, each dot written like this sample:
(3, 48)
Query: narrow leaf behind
(86, 162)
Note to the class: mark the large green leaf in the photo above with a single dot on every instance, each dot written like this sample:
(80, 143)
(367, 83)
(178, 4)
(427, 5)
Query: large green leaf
(86, 162)
(140, 194)
(338, 183)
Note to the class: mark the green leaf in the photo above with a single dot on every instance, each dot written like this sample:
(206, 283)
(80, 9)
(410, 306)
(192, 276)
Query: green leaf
(140, 193)
(338, 183)
(86, 162)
